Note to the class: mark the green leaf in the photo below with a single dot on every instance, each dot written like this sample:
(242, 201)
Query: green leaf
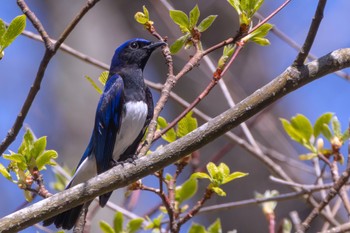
(134, 225)
(326, 131)
(196, 228)
(5, 173)
(179, 43)
(228, 50)
(237, 5)
(323, 119)
(155, 223)
(303, 125)
(268, 207)
(39, 147)
(145, 11)
(259, 34)
(224, 169)
(45, 159)
(346, 135)
(17, 158)
(15, 28)
(168, 177)
(200, 175)
(194, 16)
(219, 191)
(336, 126)
(291, 131)
(186, 125)
(233, 176)
(140, 18)
(206, 23)
(28, 138)
(106, 228)
(28, 196)
(186, 190)
(2, 30)
(170, 135)
(308, 156)
(180, 18)
(118, 222)
(103, 77)
(261, 41)
(286, 226)
(212, 169)
(92, 82)
(215, 227)
(256, 6)
(162, 122)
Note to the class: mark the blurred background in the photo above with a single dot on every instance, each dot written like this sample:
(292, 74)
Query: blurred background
(64, 109)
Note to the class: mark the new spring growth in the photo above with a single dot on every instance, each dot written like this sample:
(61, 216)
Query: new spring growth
(269, 206)
(246, 9)
(143, 18)
(226, 54)
(10, 33)
(189, 28)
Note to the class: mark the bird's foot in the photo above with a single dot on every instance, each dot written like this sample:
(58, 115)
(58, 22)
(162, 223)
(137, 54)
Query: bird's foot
(128, 160)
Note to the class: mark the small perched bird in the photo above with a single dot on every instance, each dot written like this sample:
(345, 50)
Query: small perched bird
(123, 113)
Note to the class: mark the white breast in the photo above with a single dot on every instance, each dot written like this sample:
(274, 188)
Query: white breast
(131, 125)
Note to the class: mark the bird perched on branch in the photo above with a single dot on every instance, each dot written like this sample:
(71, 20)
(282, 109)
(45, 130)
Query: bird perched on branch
(124, 111)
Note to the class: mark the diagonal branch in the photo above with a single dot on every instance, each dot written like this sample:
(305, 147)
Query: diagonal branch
(291, 79)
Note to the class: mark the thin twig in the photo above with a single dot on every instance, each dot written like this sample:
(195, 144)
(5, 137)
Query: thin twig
(293, 44)
(343, 179)
(294, 216)
(315, 24)
(254, 201)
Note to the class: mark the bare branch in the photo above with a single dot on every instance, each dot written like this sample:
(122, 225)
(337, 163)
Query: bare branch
(316, 21)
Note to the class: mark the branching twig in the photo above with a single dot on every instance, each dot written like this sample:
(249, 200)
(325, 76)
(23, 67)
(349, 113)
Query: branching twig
(50, 51)
(331, 194)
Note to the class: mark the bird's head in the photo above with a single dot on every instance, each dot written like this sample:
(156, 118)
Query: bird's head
(133, 53)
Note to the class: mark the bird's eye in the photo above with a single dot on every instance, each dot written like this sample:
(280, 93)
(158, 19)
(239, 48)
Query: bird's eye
(134, 45)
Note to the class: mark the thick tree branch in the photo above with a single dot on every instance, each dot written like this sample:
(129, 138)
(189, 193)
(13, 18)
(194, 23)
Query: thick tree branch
(292, 78)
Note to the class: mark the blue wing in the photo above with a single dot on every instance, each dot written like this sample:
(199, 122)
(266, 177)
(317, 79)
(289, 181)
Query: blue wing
(101, 145)
(107, 124)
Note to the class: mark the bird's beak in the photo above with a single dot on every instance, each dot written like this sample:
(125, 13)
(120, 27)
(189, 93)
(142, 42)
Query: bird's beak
(155, 45)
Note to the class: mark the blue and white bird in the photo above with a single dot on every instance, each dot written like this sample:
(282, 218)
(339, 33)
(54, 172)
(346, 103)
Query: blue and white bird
(124, 111)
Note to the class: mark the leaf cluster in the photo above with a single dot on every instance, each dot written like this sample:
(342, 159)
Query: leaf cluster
(246, 9)
(300, 129)
(189, 28)
(186, 125)
(31, 157)
(118, 225)
(102, 79)
(144, 19)
(218, 175)
(213, 228)
(9, 34)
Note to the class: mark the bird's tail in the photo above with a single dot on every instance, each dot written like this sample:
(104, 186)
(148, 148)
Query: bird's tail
(104, 199)
(66, 220)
